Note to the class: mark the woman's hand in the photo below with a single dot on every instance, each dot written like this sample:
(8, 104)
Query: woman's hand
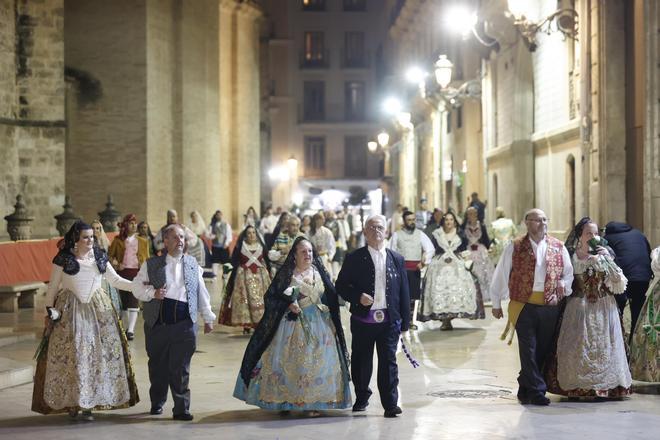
(602, 250)
(47, 321)
(294, 308)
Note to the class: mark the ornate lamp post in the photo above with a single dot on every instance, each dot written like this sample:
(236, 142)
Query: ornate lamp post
(110, 217)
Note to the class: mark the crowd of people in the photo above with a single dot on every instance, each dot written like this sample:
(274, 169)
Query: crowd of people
(287, 277)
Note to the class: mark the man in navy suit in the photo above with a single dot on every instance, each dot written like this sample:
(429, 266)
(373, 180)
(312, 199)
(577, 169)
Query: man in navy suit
(373, 279)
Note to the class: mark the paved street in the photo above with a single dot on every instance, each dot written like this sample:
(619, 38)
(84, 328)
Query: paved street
(461, 391)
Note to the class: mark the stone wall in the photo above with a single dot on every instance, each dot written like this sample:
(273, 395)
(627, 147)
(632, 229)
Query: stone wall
(32, 128)
(106, 148)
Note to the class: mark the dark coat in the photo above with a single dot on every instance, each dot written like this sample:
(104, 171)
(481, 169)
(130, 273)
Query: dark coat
(358, 276)
(632, 249)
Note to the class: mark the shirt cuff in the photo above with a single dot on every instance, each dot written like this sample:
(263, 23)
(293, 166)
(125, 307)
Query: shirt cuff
(208, 316)
(497, 303)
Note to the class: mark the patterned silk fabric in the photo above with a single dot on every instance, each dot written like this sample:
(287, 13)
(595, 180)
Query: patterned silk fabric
(449, 289)
(502, 231)
(244, 305)
(301, 369)
(482, 266)
(87, 363)
(521, 281)
(645, 349)
(591, 356)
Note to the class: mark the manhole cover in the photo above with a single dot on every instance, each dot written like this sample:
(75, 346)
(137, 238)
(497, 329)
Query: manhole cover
(469, 394)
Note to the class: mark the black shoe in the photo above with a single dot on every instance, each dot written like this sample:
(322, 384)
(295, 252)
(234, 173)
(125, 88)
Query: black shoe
(360, 406)
(392, 412)
(539, 400)
(156, 410)
(130, 336)
(186, 417)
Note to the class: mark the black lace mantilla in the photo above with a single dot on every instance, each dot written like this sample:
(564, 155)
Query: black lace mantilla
(276, 304)
(70, 265)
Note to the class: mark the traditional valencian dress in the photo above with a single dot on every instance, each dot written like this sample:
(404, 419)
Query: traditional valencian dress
(449, 290)
(503, 231)
(591, 355)
(645, 348)
(482, 266)
(300, 364)
(86, 364)
(243, 304)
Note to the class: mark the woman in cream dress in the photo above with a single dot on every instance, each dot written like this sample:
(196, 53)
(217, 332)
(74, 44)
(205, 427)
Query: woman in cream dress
(86, 365)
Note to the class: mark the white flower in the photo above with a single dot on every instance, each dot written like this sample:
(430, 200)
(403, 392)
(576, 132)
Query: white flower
(289, 291)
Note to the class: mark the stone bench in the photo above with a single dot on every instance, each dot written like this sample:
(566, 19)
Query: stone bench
(18, 296)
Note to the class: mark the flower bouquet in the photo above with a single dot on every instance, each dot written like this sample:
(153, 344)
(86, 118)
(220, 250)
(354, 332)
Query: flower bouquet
(294, 293)
(594, 243)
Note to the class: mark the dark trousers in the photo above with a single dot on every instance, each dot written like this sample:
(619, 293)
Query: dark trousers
(635, 292)
(414, 283)
(385, 337)
(535, 329)
(170, 348)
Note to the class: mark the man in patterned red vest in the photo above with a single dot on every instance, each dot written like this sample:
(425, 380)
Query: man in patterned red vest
(535, 272)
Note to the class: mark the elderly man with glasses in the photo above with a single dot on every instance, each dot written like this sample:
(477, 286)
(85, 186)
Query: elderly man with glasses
(373, 279)
(535, 272)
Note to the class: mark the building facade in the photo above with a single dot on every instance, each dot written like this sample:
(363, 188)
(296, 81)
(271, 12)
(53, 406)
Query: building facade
(567, 118)
(323, 59)
(154, 102)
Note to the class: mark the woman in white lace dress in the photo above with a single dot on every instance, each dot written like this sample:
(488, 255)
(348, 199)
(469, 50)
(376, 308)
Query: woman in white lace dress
(591, 355)
(86, 364)
(448, 290)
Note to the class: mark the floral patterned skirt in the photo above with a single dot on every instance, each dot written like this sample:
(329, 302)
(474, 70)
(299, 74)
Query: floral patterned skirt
(301, 370)
(87, 363)
(244, 307)
(449, 291)
(645, 348)
(589, 359)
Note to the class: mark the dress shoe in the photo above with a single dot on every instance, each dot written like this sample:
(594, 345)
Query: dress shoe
(87, 416)
(186, 417)
(539, 400)
(392, 412)
(130, 336)
(156, 410)
(360, 406)
(446, 325)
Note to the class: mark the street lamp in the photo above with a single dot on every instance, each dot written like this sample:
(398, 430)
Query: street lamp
(443, 71)
(383, 139)
(292, 162)
(372, 146)
(391, 105)
(460, 20)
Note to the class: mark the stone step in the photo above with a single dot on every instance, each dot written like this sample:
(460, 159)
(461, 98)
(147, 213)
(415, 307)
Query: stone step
(13, 373)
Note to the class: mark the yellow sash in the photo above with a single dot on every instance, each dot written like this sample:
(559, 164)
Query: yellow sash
(515, 307)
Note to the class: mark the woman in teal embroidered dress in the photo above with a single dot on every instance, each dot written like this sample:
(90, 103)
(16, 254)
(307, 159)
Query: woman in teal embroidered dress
(645, 348)
(297, 358)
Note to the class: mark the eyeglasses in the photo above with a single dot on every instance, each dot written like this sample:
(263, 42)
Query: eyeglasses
(539, 220)
(376, 228)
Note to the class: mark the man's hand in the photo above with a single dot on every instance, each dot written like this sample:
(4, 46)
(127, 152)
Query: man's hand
(552, 301)
(160, 293)
(497, 313)
(208, 327)
(420, 266)
(366, 300)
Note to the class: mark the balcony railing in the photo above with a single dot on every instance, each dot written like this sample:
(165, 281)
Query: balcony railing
(350, 61)
(315, 60)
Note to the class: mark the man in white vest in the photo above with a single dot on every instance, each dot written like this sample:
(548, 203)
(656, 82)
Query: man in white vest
(417, 250)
